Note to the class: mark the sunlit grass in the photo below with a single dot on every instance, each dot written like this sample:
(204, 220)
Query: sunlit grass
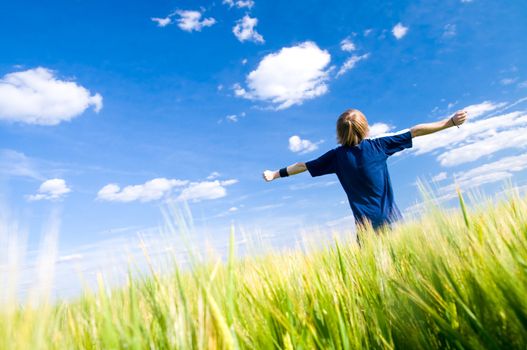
(453, 279)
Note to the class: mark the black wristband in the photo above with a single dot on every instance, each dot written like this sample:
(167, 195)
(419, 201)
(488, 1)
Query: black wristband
(283, 172)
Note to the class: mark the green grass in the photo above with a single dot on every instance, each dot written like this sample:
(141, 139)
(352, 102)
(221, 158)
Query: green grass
(453, 279)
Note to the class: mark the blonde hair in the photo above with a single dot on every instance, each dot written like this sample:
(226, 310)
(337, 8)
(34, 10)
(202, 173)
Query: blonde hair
(352, 127)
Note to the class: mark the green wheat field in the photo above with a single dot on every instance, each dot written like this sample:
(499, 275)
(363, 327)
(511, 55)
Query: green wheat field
(453, 279)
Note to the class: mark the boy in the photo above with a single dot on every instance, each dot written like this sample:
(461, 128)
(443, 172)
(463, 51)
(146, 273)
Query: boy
(360, 165)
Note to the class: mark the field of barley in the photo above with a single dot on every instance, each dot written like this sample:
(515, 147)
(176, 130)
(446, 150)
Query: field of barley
(453, 279)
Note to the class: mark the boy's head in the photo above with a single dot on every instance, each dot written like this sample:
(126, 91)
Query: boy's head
(352, 127)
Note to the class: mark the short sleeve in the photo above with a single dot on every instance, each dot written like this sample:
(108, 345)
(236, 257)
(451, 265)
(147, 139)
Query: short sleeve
(325, 164)
(395, 143)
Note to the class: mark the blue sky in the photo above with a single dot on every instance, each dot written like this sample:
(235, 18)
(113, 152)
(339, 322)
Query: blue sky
(204, 96)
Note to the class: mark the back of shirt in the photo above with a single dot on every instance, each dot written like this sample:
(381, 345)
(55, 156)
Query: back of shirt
(363, 173)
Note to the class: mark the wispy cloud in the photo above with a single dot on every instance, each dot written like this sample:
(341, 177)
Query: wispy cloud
(37, 96)
(482, 108)
(492, 142)
(350, 63)
(304, 186)
(346, 221)
(233, 118)
(117, 230)
(508, 81)
(478, 137)
(69, 258)
(495, 171)
(213, 175)
(17, 164)
(347, 45)
(266, 207)
(449, 30)
(440, 177)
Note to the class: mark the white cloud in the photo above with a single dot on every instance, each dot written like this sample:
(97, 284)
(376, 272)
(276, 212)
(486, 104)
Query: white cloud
(379, 129)
(450, 30)
(508, 81)
(36, 96)
(52, 189)
(244, 61)
(305, 186)
(163, 188)
(368, 31)
(151, 190)
(162, 22)
(470, 132)
(289, 76)
(13, 163)
(492, 172)
(347, 45)
(233, 209)
(492, 142)
(523, 84)
(507, 164)
(239, 91)
(70, 257)
(346, 221)
(240, 3)
(233, 118)
(229, 182)
(399, 31)
(297, 145)
(198, 191)
(478, 137)
(213, 175)
(244, 30)
(351, 62)
(480, 109)
(191, 21)
(440, 177)
(488, 173)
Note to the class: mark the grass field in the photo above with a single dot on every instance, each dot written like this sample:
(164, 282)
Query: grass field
(453, 279)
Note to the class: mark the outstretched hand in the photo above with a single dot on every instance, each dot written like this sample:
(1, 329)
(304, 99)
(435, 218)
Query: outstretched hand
(269, 175)
(459, 117)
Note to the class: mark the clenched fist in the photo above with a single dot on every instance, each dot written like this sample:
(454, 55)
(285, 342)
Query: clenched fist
(459, 118)
(270, 175)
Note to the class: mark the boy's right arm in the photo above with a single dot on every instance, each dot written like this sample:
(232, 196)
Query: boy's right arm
(429, 128)
(297, 168)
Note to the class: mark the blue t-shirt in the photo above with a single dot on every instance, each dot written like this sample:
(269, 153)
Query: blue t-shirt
(363, 173)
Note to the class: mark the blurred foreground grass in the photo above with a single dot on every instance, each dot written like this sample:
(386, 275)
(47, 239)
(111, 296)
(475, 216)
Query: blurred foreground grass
(452, 279)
